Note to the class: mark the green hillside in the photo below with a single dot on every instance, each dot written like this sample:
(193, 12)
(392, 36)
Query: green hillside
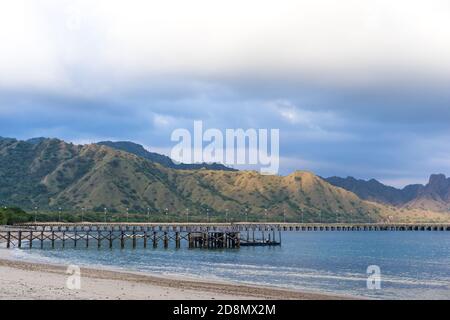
(51, 173)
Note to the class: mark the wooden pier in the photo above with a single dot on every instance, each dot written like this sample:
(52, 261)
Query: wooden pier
(52, 235)
(195, 235)
(364, 226)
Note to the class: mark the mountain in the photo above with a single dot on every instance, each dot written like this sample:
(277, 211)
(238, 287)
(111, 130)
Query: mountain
(435, 196)
(374, 190)
(140, 151)
(53, 173)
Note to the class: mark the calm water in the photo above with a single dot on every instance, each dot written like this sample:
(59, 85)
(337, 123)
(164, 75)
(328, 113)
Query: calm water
(414, 265)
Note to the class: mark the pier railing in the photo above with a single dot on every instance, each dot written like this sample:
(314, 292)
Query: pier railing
(242, 226)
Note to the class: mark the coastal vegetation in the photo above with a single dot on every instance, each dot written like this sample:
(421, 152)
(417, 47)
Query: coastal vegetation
(9, 216)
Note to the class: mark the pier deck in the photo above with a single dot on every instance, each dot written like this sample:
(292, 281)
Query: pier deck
(244, 226)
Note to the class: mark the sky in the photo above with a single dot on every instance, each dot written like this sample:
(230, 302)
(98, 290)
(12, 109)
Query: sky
(357, 87)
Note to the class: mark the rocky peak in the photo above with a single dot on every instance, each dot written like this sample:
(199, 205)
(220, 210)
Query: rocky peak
(438, 179)
(439, 184)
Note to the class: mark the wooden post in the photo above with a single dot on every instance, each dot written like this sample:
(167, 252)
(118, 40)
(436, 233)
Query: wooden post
(177, 239)
(8, 241)
(191, 243)
(110, 239)
(64, 239)
(75, 238)
(42, 239)
(122, 241)
(31, 239)
(224, 240)
(134, 238)
(155, 240)
(20, 239)
(99, 240)
(87, 239)
(53, 239)
(166, 240)
(145, 239)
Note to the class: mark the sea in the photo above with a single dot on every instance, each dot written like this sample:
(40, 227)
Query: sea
(375, 265)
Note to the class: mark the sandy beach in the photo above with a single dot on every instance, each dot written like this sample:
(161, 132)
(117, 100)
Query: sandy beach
(26, 280)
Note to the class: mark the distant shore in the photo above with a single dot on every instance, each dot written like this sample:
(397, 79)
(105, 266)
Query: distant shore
(26, 280)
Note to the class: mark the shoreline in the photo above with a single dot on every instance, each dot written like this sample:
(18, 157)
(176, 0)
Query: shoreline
(35, 281)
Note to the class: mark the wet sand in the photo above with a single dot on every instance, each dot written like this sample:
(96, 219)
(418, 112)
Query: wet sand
(26, 280)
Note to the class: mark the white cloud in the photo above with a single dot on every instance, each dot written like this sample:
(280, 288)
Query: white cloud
(312, 125)
(294, 115)
(81, 44)
(79, 69)
(162, 121)
(27, 55)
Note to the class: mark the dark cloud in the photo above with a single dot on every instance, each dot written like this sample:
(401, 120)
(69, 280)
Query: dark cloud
(375, 133)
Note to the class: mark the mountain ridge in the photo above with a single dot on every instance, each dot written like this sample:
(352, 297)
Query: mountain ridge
(434, 196)
(51, 173)
(140, 151)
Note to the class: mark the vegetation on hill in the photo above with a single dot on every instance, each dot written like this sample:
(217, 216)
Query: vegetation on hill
(9, 216)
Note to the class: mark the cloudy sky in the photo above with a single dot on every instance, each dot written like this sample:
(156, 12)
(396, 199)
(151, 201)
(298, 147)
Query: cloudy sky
(357, 87)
